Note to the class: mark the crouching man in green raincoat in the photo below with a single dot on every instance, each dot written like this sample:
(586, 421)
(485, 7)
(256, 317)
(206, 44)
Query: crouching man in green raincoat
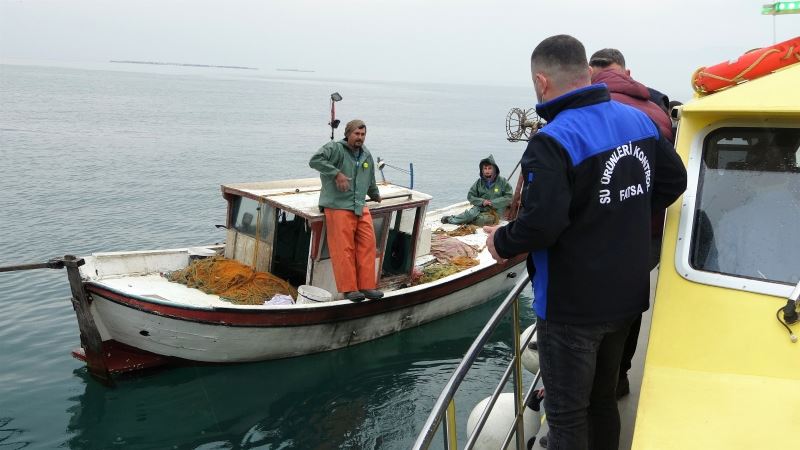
(490, 196)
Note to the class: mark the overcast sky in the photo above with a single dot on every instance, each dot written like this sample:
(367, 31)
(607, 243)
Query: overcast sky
(451, 41)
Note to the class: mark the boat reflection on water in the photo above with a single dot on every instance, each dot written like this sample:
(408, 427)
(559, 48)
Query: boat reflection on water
(373, 395)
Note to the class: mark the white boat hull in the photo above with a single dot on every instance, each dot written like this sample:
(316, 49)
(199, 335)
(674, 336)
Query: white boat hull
(229, 339)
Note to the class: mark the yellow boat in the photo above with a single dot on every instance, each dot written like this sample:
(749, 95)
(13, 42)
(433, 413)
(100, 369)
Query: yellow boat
(722, 366)
(721, 370)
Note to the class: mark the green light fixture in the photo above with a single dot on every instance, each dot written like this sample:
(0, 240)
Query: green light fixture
(778, 8)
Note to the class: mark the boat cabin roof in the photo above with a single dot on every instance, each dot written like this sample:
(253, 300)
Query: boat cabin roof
(301, 196)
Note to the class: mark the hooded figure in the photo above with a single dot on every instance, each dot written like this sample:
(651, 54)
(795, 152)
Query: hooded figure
(490, 195)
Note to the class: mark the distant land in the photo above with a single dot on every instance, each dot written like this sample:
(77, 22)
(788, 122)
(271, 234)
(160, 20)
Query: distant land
(183, 64)
(295, 70)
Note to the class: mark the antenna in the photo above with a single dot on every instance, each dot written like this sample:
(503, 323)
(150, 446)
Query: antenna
(334, 123)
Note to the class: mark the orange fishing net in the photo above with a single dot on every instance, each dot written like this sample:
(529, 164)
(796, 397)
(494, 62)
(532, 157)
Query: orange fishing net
(232, 281)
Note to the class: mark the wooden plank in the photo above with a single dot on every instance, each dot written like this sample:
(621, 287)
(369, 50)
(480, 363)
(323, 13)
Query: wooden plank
(91, 341)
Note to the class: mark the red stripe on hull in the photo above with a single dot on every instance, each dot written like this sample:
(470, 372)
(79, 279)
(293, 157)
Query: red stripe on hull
(298, 316)
(120, 358)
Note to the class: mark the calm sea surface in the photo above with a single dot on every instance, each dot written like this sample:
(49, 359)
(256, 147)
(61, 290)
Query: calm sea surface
(104, 160)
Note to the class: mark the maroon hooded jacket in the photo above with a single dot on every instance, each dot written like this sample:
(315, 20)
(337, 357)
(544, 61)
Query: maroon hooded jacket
(625, 89)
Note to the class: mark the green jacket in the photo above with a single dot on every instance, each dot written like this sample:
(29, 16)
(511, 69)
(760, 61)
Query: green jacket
(335, 157)
(500, 192)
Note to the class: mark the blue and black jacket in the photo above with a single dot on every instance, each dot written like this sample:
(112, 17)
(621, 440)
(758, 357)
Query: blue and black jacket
(591, 178)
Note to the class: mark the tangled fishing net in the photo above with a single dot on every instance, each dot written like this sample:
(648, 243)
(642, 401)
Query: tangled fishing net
(462, 230)
(232, 281)
(452, 255)
(439, 270)
(488, 217)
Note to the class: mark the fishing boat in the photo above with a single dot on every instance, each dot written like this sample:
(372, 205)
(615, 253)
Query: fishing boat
(132, 316)
(720, 357)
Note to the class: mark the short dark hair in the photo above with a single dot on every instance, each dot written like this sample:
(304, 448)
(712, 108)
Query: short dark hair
(605, 57)
(561, 52)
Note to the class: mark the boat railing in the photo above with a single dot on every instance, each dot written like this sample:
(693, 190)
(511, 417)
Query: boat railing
(444, 410)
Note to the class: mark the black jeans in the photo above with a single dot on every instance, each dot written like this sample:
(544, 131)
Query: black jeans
(633, 337)
(630, 347)
(580, 366)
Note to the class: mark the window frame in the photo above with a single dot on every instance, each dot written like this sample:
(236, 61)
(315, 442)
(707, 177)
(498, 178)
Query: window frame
(686, 223)
(267, 215)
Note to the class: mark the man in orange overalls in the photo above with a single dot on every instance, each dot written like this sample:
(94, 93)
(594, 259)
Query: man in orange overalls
(347, 172)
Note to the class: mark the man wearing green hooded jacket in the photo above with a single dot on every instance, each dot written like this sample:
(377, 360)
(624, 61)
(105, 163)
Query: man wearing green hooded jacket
(490, 195)
(347, 174)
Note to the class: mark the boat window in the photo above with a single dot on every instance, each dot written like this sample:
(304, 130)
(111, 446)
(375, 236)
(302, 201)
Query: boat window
(245, 213)
(747, 221)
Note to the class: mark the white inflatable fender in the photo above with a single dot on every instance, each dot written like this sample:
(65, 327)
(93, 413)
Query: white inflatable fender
(499, 422)
(530, 357)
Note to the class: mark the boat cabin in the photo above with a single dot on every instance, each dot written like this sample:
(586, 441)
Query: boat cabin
(721, 369)
(277, 227)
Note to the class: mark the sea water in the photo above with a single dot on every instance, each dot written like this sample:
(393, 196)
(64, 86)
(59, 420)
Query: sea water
(118, 158)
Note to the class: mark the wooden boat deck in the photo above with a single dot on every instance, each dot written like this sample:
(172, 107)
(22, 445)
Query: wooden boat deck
(157, 287)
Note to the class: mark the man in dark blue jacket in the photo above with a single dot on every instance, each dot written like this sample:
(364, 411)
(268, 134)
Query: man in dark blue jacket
(592, 177)
(608, 66)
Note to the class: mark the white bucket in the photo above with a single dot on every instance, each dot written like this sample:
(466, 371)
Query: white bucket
(310, 294)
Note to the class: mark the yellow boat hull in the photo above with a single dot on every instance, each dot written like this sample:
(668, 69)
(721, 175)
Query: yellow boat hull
(720, 370)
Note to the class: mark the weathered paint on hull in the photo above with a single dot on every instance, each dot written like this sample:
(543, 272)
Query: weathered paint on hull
(239, 335)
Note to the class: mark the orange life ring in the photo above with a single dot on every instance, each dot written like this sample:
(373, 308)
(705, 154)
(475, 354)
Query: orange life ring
(751, 65)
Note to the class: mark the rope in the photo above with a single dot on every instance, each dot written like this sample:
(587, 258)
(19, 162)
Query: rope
(740, 76)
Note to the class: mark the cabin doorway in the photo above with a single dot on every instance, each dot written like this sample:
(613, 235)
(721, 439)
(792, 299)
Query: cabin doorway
(292, 242)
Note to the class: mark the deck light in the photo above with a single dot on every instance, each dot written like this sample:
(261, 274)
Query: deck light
(334, 123)
(777, 8)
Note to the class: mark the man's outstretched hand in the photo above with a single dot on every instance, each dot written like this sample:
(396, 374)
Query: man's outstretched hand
(490, 244)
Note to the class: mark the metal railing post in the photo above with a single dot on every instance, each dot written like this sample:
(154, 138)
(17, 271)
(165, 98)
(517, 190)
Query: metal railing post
(519, 406)
(445, 406)
(449, 427)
